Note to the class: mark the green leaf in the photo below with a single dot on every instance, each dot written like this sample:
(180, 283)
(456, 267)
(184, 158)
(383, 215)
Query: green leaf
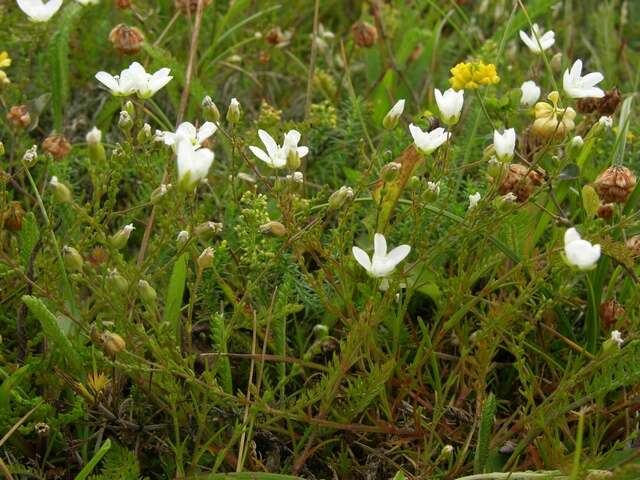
(484, 434)
(246, 476)
(54, 333)
(219, 336)
(10, 384)
(174, 295)
(590, 201)
(29, 237)
(88, 468)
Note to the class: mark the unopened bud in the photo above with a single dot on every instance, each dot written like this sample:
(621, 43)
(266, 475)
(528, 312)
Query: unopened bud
(60, 191)
(556, 62)
(340, 197)
(121, 237)
(160, 192)
(72, 259)
(293, 159)
(182, 238)
(274, 228)
(147, 293)
(205, 260)
(112, 343)
(125, 122)
(207, 229)
(94, 136)
(2, 151)
(577, 141)
(96, 149)
(390, 171)
(445, 454)
(432, 191)
(145, 135)
(496, 169)
(392, 118)
(30, 157)
(117, 281)
(321, 331)
(614, 342)
(233, 113)
(130, 108)
(210, 109)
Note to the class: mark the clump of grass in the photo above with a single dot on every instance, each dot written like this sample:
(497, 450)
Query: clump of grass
(312, 279)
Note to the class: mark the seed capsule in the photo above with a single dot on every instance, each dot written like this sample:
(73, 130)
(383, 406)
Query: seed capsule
(57, 146)
(126, 40)
(364, 34)
(615, 184)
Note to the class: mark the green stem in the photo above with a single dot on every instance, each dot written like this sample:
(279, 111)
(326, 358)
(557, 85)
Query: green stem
(591, 323)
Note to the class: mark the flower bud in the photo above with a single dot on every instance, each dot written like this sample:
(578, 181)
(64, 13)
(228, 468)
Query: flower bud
(556, 62)
(72, 259)
(60, 191)
(94, 136)
(273, 228)
(117, 282)
(496, 169)
(160, 192)
(145, 135)
(577, 142)
(321, 331)
(96, 149)
(121, 237)
(234, 112)
(210, 109)
(364, 34)
(390, 171)
(392, 117)
(340, 197)
(432, 191)
(296, 177)
(19, 116)
(30, 157)
(293, 159)
(613, 343)
(57, 146)
(207, 229)
(112, 343)
(2, 151)
(182, 238)
(147, 293)
(445, 454)
(205, 260)
(125, 122)
(126, 40)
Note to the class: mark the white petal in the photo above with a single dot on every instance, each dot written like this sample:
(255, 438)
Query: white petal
(261, 154)
(206, 130)
(269, 143)
(571, 235)
(302, 151)
(398, 254)
(362, 258)
(108, 81)
(379, 245)
(187, 131)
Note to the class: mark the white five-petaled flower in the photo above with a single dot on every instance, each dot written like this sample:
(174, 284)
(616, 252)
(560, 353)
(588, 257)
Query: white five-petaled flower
(186, 131)
(276, 156)
(578, 252)
(577, 86)
(504, 144)
(427, 142)
(546, 39)
(530, 93)
(193, 163)
(393, 115)
(135, 79)
(474, 198)
(381, 264)
(38, 10)
(616, 337)
(450, 105)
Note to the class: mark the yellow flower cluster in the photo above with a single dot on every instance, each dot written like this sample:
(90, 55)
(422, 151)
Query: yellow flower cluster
(5, 61)
(472, 75)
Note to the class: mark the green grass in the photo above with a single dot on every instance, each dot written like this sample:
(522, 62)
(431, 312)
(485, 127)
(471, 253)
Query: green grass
(487, 357)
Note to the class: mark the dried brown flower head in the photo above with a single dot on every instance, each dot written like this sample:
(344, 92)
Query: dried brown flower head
(615, 184)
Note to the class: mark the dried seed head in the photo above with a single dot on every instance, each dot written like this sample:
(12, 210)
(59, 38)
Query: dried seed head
(189, 7)
(606, 105)
(275, 36)
(12, 216)
(521, 181)
(610, 311)
(274, 228)
(57, 146)
(364, 34)
(605, 211)
(633, 244)
(615, 184)
(112, 343)
(126, 40)
(98, 256)
(123, 4)
(19, 116)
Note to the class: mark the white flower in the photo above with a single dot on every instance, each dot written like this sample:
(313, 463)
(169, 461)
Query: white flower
(182, 237)
(616, 337)
(94, 136)
(321, 38)
(54, 181)
(577, 86)
(427, 142)
(530, 93)
(504, 144)
(474, 199)
(188, 132)
(509, 197)
(88, 2)
(577, 141)
(38, 10)
(578, 252)
(135, 79)
(193, 163)
(546, 40)
(393, 116)
(382, 263)
(450, 105)
(127, 229)
(434, 187)
(276, 156)
(606, 122)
